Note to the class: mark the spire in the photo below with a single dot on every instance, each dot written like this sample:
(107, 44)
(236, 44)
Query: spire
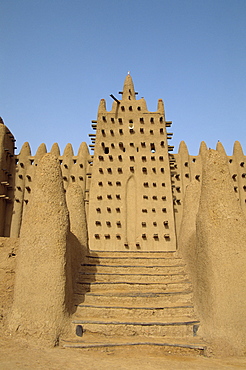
(128, 89)
(25, 150)
(183, 148)
(237, 149)
(102, 106)
(203, 148)
(68, 151)
(220, 148)
(160, 106)
(55, 150)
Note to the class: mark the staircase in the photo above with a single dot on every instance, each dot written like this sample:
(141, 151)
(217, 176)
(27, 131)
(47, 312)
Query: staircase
(135, 299)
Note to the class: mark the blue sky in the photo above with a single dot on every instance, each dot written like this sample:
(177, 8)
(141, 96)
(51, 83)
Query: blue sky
(60, 57)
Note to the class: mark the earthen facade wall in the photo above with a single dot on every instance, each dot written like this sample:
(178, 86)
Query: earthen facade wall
(133, 186)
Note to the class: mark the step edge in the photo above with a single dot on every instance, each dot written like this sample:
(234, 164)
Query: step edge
(132, 308)
(101, 345)
(178, 323)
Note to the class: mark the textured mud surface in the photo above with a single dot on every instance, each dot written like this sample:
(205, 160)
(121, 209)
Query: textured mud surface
(19, 355)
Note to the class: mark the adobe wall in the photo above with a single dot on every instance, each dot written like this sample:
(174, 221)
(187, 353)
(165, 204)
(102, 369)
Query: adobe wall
(134, 173)
(6, 178)
(43, 286)
(8, 251)
(133, 194)
(212, 242)
(131, 205)
(186, 168)
(75, 169)
(77, 241)
(221, 258)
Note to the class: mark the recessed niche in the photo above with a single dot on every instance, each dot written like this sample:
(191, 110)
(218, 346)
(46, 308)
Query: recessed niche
(152, 148)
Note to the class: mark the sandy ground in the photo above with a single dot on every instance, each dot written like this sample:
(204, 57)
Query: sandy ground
(15, 354)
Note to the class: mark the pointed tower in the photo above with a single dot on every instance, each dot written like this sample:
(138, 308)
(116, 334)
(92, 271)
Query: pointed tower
(131, 202)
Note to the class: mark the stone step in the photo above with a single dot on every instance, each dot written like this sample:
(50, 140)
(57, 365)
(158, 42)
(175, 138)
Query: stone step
(152, 346)
(84, 287)
(135, 261)
(133, 254)
(139, 297)
(133, 313)
(131, 278)
(132, 269)
(179, 328)
(136, 298)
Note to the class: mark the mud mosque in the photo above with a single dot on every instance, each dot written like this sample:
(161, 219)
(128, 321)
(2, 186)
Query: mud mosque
(131, 245)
